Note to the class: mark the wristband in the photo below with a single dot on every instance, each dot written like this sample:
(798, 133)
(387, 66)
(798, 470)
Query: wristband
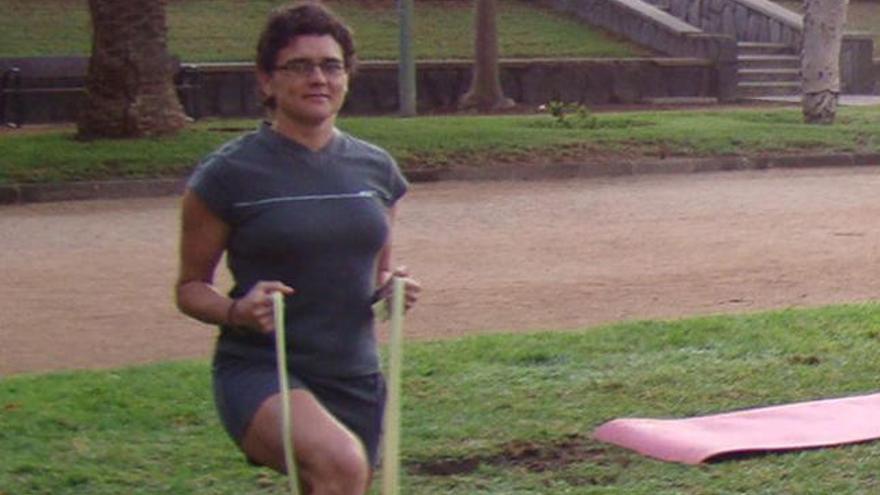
(230, 313)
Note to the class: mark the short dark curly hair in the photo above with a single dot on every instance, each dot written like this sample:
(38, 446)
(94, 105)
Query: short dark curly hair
(303, 18)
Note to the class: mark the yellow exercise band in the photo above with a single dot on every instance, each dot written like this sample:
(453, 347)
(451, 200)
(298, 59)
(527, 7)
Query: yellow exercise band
(391, 445)
(284, 391)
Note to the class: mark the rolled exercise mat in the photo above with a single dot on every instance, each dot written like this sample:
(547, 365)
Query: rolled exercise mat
(803, 425)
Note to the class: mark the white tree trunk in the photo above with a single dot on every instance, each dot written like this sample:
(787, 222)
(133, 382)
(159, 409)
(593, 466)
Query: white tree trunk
(824, 21)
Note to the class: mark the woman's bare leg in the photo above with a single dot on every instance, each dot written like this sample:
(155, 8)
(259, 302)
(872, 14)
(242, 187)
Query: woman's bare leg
(330, 459)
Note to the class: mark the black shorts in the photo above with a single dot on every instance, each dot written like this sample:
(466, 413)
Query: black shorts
(242, 385)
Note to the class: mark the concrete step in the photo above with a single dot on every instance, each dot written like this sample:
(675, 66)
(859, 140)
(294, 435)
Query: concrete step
(768, 74)
(759, 48)
(769, 61)
(762, 89)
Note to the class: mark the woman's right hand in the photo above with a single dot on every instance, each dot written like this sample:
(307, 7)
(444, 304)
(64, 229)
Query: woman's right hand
(255, 309)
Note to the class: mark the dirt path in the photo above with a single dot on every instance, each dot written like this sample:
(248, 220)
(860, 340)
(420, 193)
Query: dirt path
(88, 284)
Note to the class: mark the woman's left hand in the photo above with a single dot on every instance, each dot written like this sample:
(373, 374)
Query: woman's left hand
(412, 288)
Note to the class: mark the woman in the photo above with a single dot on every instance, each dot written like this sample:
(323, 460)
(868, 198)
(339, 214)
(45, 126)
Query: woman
(304, 209)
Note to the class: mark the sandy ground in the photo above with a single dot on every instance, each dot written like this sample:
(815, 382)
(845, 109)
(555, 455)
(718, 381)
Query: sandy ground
(89, 284)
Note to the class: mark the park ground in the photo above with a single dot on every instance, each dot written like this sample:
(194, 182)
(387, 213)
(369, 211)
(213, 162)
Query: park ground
(89, 283)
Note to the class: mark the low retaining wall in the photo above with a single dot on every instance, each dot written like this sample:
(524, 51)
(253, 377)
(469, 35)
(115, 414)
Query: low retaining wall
(877, 76)
(856, 64)
(229, 89)
(535, 82)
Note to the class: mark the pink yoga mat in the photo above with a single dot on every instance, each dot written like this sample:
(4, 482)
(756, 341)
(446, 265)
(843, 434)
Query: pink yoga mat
(820, 423)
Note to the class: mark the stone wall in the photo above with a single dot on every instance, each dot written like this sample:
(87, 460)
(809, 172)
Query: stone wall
(877, 76)
(535, 82)
(856, 65)
(229, 89)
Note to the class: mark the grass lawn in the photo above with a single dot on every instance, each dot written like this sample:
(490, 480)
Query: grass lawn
(226, 30)
(508, 414)
(443, 141)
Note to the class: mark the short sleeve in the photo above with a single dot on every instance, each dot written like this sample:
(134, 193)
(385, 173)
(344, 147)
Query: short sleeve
(397, 183)
(210, 182)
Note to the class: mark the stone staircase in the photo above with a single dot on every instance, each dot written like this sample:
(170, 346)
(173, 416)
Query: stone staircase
(764, 70)
(767, 70)
(748, 41)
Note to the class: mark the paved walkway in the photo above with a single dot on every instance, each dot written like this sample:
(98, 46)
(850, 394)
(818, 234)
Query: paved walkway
(89, 283)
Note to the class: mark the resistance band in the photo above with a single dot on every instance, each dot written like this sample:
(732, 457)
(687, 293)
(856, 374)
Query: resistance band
(286, 419)
(391, 445)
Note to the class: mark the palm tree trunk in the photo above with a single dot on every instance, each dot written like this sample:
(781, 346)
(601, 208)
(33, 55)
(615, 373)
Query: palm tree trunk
(824, 21)
(485, 93)
(130, 84)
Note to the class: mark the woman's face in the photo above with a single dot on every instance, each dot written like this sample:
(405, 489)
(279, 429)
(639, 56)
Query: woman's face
(309, 82)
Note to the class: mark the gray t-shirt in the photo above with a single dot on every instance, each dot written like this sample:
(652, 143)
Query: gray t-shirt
(315, 221)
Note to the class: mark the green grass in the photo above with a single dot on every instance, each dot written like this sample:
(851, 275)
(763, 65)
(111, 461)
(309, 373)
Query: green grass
(148, 430)
(226, 30)
(444, 141)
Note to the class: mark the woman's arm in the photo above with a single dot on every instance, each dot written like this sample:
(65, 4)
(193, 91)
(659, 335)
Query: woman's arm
(203, 239)
(383, 267)
(384, 272)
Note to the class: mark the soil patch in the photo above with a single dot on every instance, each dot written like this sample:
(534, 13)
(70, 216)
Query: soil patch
(529, 455)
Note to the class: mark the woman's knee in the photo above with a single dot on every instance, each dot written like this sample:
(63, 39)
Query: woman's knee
(341, 468)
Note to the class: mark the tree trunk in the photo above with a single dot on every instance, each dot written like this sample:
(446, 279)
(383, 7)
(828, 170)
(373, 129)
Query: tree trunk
(130, 84)
(485, 93)
(824, 22)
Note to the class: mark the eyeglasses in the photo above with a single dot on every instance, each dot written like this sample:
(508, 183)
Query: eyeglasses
(304, 67)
